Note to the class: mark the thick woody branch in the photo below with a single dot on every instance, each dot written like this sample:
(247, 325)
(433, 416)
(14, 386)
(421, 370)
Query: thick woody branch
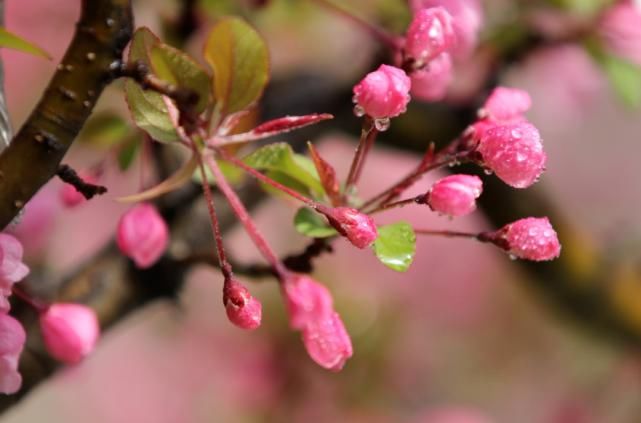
(103, 31)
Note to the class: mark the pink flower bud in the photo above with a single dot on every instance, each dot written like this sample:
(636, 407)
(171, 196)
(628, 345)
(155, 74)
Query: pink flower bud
(531, 238)
(430, 34)
(307, 300)
(12, 269)
(514, 152)
(357, 227)
(455, 195)
(327, 342)
(142, 235)
(70, 196)
(505, 104)
(467, 17)
(243, 310)
(383, 93)
(431, 82)
(69, 331)
(620, 29)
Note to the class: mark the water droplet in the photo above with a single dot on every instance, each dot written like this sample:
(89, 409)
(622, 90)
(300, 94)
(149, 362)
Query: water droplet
(512, 257)
(91, 56)
(516, 133)
(488, 171)
(354, 99)
(359, 111)
(382, 124)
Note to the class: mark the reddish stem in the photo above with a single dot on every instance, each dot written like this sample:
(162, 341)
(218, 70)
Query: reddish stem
(400, 203)
(34, 303)
(245, 219)
(368, 135)
(263, 178)
(225, 266)
(446, 233)
(383, 36)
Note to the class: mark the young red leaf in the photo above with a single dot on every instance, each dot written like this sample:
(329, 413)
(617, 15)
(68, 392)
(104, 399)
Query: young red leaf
(276, 127)
(327, 176)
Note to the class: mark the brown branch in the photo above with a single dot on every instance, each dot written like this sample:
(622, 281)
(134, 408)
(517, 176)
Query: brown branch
(103, 31)
(71, 177)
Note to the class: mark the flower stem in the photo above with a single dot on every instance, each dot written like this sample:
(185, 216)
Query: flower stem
(225, 266)
(414, 200)
(446, 233)
(368, 135)
(263, 178)
(246, 220)
(383, 36)
(37, 305)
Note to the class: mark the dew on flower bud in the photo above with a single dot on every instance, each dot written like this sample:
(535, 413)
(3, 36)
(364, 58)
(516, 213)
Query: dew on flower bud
(382, 124)
(357, 227)
(488, 171)
(529, 238)
(359, 111)
(383, 93)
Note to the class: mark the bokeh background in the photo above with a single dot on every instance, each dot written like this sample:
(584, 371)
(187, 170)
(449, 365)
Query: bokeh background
(465, 336)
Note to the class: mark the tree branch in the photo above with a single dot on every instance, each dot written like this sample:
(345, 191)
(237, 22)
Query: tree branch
(95, 52)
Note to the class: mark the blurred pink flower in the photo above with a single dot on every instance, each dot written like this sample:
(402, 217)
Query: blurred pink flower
(506, 104)
(514, 152)
(70, 331)
(12, 339)
(357, 227)
(142, 235)
(455, 195)
(383, 93)
(327, 342)
(430, 33)
(431, 83)
(12, 269)
(467, 19)
(452, 415)
(242, 309)
(620, 28)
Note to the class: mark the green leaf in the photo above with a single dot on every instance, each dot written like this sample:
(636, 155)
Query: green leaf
(310, 223)
(175, 181)
(279, 157)
(240, 60)
(625, 78)
(105, 130)
(150, 113)
(14, 42)
(148, 108)
(177, 68)
(232, 173)
(396, 245)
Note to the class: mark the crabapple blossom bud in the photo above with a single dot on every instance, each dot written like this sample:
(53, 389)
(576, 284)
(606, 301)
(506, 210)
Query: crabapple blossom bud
(431, 82)
(532, 238)
(70, 331)
(12, 339)
(357, 227)
(243, 310)
(620, 29)
(467, 17)
(383, 93)
(514, 152)
(455, 195)
(327, 342)
(306, 299)
(505, 104)
(430, 33)
(142, 235)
